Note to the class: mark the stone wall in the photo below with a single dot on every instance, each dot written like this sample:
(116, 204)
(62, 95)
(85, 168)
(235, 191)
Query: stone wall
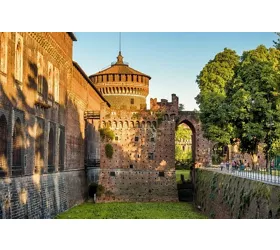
(134, 185)
(224, 196)
(41, 196)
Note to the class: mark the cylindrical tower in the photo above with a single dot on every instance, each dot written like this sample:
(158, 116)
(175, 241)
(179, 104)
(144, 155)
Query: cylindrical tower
(122, 86)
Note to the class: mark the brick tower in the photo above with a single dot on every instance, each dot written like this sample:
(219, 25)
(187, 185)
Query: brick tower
(123, 87)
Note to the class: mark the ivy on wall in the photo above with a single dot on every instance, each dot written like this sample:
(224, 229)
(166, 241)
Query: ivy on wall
(109, 151)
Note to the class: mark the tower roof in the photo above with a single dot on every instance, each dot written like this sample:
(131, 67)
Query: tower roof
(120, 67)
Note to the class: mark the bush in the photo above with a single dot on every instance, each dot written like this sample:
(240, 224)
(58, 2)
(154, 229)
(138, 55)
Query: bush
(109, 151)
(106, 133)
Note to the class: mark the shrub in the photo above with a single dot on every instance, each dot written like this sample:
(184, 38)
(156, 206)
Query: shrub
(106, 133)
(109, 151)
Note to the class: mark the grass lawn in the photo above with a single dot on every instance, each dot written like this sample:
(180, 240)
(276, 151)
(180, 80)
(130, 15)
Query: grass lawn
(186, 174)
(149, 210)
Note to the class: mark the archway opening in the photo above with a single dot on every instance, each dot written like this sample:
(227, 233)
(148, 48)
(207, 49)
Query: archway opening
(184, 150)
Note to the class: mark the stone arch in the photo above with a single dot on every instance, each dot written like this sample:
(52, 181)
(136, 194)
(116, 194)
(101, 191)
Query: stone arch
(114, 125)
(138, 125)
(148, 124)
(120, 125)
(124, 90)
(131, 124)
(18, 147)
(113, 90)
(3, 146)
(192, 126)
(143, 124)
(125, 125)
(121, 90)
(109, 124)
(154, 124)
(103, 124)
(110, 91)
(117, 90)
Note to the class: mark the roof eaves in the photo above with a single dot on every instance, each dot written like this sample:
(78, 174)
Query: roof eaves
(77, 66)
(73, 37)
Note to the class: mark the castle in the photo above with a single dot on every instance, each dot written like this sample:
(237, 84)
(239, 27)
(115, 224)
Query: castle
(61, 130)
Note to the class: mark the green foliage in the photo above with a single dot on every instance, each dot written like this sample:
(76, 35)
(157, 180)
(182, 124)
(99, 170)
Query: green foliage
(181, 107)
(106, 134)
(109, 151)
(239, 98)
(277, 43)
(183, 158)
(183, 133)
(213, 82)
(136, 116)
(149, 210)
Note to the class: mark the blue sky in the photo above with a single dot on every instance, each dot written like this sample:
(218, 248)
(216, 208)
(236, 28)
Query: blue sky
(173, 60)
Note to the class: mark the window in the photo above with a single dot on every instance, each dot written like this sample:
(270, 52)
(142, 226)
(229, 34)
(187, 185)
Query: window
(112, 174)
(40, 79)
(161, 174)
(152, 139)
(132, 101)
(18, 58)
(150, 156)
(130, 166)
(39, 147)
(61, 149)
(51, 151)
(3, 146)
(56, 85)
(136, 138)
(50, 80)
(3, 51)
(17, 167)
(116, 138)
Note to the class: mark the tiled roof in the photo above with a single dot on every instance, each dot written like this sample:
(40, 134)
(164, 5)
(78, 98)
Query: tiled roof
(120, 68)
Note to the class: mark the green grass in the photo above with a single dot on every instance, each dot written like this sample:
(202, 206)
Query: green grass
(149, 210)
(186, 174)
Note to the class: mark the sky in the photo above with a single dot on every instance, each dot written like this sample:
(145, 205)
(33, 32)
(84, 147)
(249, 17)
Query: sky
(173, 60)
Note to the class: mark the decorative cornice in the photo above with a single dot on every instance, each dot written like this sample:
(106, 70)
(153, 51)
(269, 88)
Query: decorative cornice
(54, 51)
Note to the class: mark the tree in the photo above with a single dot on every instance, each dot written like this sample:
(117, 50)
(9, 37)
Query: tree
(277, 43)
(183, 135)
(254, 100)
(213, 81)
(181, 107)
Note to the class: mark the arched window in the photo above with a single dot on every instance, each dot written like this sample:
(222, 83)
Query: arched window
(56, 85)
(3, 146)
(18, 62)
(39, 148)
(51, 166)
(61, 149)
(17, 163)
(50, 80)
(3, 52)
(40, 77)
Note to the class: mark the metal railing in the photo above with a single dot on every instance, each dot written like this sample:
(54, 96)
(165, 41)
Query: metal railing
(270, 175)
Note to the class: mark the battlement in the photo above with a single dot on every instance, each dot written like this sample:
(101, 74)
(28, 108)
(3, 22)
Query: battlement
(165, 106)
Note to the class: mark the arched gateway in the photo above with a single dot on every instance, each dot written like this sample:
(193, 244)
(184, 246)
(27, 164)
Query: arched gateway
(201, 147)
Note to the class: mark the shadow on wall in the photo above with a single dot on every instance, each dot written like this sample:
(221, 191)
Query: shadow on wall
(35, 147)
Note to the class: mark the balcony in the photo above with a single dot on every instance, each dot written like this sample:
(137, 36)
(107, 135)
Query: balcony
(92, 115)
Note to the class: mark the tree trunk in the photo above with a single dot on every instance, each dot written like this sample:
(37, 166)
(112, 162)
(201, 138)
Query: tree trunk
(254, 158)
